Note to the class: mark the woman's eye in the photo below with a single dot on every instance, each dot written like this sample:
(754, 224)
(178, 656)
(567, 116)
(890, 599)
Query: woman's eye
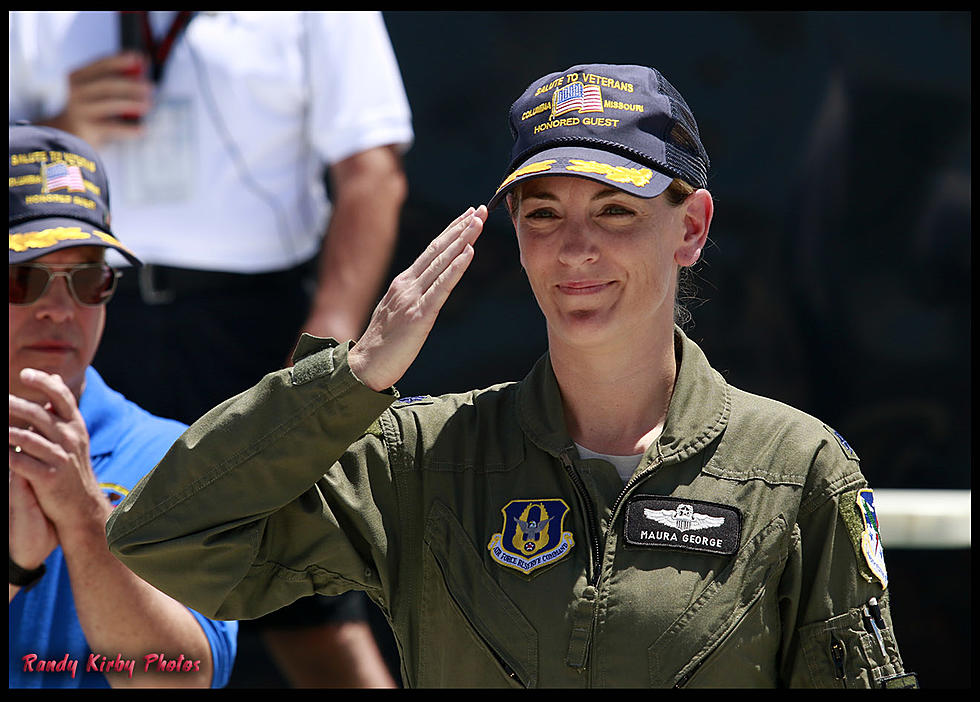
(616, 210)
(540, 214)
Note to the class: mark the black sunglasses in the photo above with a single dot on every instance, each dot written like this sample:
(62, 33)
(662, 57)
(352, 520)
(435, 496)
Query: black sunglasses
(91, 284)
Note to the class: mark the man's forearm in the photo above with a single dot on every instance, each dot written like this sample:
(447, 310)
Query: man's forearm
(121, 614)
(369, 189)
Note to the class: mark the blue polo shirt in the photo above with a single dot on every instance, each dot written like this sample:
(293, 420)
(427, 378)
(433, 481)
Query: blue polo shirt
(125, 443)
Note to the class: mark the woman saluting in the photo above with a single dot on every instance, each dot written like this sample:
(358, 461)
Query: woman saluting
(620, 517)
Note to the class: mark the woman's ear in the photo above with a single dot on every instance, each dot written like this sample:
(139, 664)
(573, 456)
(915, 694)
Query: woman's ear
(697, 210)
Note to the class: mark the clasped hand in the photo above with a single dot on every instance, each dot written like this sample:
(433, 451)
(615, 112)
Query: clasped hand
(52, 486)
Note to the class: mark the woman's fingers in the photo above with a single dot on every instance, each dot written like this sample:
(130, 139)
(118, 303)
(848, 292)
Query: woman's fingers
(465, 233)
(436, 295)
(439, 244)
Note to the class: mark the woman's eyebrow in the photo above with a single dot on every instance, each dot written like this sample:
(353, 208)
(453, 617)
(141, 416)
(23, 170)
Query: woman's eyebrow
(548, 195)
(608, 192)
(540, 195)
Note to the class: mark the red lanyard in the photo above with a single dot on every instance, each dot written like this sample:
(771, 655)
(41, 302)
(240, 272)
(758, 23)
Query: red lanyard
(160, 52)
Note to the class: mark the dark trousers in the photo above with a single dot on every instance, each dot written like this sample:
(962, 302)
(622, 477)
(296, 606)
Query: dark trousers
(203, 337)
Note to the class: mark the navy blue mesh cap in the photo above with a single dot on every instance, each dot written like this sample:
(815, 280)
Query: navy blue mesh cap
(59, 195)
(621, 125)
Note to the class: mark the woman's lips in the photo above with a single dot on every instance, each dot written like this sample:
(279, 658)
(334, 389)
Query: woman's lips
(584, 287)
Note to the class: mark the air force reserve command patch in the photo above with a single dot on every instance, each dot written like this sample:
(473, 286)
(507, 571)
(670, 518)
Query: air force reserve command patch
(679, 523)
(533, 535)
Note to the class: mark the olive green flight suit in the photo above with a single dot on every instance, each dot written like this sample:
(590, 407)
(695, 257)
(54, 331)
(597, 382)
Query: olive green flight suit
(731, 558)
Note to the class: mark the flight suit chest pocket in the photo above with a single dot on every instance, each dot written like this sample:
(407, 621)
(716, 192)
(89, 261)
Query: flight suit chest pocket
(471, 633)
(701, 630)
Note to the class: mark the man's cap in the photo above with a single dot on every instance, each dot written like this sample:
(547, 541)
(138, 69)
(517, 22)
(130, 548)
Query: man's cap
(618, 124)
(59, 195)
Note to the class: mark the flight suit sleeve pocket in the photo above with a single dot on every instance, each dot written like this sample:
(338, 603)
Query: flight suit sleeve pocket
(465, 613)
(840, 652)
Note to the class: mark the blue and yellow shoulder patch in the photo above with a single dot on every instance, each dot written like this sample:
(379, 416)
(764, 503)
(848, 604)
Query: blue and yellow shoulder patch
(857, 509)
(533, 535)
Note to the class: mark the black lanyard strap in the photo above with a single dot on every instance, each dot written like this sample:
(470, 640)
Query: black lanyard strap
(158, 53)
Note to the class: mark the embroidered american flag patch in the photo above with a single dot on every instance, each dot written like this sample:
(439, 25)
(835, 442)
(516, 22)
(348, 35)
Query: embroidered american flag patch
(60, 176)
(575, 96)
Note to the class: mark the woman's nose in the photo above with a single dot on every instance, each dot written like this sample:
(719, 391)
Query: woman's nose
(578, 245)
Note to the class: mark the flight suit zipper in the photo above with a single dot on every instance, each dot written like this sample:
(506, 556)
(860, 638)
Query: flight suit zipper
(636, 478)
(583, 626)
(837, 654)
(590, 515)
(580, 643)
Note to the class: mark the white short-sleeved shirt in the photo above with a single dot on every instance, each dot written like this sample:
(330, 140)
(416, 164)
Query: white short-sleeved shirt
(252, 107)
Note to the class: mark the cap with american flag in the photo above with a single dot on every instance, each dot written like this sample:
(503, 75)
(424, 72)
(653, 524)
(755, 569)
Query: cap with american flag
(620, 124)
(59, 195)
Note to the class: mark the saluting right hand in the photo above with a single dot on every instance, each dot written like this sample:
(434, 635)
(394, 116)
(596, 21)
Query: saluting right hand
(102, 91)
(403, 319)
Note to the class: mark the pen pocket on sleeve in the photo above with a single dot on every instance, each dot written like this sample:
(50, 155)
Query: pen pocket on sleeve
(845, 651)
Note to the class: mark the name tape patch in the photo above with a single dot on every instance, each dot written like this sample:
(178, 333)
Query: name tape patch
(688, 525)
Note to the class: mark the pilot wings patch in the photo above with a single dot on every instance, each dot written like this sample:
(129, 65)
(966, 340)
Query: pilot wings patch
(684, 518)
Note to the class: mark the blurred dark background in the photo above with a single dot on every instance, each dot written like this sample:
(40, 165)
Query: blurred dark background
(837, 277)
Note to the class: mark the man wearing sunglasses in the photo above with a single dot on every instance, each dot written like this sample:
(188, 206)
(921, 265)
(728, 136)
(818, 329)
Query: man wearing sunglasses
(78, 617)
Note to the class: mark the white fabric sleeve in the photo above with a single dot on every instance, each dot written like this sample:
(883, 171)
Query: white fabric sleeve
(20, 77)
(357, 99)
